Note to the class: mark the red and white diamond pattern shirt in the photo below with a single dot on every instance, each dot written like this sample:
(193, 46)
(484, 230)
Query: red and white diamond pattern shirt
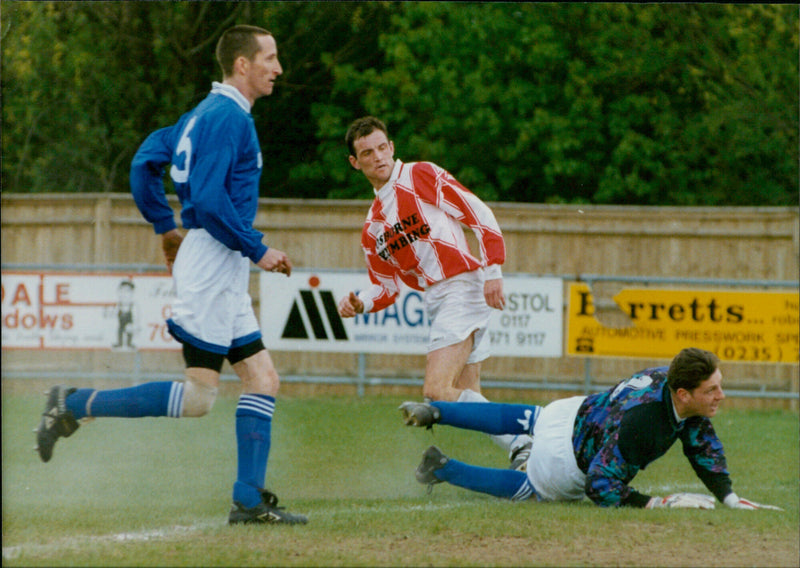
(413, 233)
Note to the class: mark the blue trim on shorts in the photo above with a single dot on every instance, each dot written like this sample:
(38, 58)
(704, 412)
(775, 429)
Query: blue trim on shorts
(184, 337)
(244, 340)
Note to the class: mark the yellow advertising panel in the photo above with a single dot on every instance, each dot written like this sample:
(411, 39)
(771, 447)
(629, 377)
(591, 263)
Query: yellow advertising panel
(756, 327)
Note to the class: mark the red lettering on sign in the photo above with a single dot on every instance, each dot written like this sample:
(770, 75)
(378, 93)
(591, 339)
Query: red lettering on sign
(21, 296)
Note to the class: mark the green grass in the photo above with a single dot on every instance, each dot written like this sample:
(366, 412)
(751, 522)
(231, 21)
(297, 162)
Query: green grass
(155, 492)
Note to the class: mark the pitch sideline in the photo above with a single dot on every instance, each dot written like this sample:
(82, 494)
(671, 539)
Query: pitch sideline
(17, 551)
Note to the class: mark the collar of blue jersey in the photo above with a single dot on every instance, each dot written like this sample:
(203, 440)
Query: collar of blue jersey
(398, 165)
(678, 424)
(232, 92)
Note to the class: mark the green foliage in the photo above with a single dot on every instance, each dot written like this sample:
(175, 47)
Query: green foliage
(85, 82)
(608, 103)
(602, 103)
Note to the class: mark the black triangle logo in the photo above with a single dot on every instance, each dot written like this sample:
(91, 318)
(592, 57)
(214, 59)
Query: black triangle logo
(294, 328)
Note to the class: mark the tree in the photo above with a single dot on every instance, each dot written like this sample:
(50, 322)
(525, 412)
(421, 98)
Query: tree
(682, 104)
(84, 82)
(602, 103)
(315, 39)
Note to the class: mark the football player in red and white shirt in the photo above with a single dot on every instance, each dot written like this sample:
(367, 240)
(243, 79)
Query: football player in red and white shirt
(413, 235)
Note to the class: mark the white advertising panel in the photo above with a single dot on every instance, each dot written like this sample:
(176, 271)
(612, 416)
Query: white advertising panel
(299, 313)
(86, 311)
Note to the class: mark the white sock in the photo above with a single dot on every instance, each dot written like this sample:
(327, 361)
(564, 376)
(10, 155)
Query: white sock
(468, 395)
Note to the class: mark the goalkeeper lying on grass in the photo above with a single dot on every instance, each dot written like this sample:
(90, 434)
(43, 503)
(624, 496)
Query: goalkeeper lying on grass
(594, 446)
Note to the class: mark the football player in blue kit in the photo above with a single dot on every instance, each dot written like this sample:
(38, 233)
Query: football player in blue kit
(594, 446)
(213, 158)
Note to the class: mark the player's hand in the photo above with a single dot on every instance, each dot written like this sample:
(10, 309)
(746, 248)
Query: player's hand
(493, 292)
(735, 502)
(682, 501)
(275, 261)
(350, 305)
(170, 243)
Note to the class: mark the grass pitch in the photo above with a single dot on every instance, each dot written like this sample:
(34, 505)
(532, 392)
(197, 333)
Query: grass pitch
(156, 492)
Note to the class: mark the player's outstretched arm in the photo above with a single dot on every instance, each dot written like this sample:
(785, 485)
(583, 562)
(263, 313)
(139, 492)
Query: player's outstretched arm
(735, 502)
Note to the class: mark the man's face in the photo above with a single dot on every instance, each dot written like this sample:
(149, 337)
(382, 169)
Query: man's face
(704, 400)
(374, 157)
(264, 68)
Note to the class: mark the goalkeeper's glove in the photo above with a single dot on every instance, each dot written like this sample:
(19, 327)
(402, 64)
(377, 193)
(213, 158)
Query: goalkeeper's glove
(735, 502)
(682, 501)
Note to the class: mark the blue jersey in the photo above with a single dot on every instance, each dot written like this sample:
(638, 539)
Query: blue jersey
(215, 166)
(620, 431)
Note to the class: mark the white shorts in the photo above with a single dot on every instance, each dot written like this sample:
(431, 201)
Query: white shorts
(456, 307)
(552, 469)
(212, 310)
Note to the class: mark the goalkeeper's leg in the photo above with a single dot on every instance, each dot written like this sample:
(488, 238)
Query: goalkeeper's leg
(518, 445)
(502, 483)
(489, 417)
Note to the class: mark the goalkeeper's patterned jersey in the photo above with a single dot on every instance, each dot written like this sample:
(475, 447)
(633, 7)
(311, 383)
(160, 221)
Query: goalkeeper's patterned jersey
(215, 165)
(619, 432)
(413, 233)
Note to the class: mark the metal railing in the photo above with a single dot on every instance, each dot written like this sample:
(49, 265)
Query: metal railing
(361, 381)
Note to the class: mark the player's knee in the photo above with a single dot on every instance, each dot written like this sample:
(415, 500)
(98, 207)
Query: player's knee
(434, 392)
(266, 381)
(255, 369)
(198, 398)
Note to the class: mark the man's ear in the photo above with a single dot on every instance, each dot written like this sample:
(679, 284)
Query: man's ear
(353, 162)
(240, 65)
(683, 395)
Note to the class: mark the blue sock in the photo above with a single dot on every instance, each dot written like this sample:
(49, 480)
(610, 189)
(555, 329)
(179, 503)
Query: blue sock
(503, 483)
(253, 436)
(489, 417)
(149, 399)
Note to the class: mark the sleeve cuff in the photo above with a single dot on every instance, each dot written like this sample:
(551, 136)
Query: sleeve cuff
(731, 500)
(260, 251)
(368, 304)
(636, 499)
(164, 225)
(492, 272)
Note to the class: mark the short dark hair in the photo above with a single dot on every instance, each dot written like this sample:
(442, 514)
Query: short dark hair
(362, 127)
(691, 367)
(237, 41)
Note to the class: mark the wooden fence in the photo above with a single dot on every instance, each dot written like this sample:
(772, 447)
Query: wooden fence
(761, 243)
